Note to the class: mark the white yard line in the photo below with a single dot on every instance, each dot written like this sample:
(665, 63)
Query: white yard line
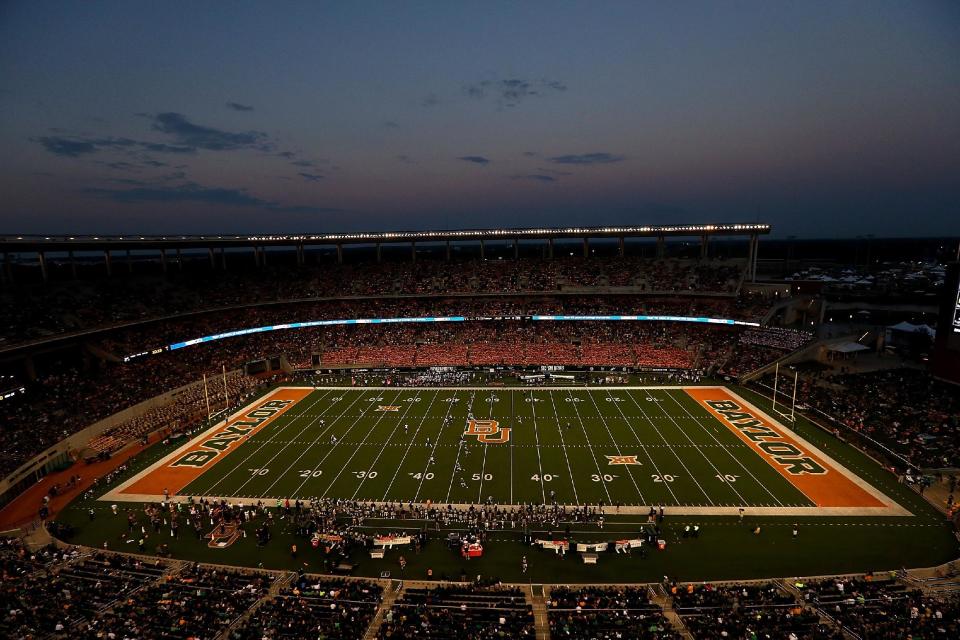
(643, 447)
(359, 395)
(590, 447)
(563, 444)
(358, 446)
(729, 453)
(669, 417)
(410, 444)
(671, 449)
(513, 418)
(271, 439)
(319, 464)
(390, 438)
(426, 468)
(616, 445)
(281, 450)
(536, 434)
(456, 461)
(483, 466)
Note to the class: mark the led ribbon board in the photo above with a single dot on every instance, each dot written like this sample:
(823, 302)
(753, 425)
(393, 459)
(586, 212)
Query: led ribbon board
(725, 321)
(331, 323)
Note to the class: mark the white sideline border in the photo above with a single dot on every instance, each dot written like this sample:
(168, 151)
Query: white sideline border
(890, 508)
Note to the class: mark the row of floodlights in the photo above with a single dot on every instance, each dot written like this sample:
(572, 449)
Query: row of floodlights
(386, 235)
(518, 232)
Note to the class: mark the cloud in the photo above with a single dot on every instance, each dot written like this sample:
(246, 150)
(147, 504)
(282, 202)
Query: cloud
(121, 166)
(431, 100)
(76, 146)
(475, 159)
(405, 158)
(186, 133)
(236, 106)
(166, 148)
(66, 147)
(286, 154)
(509, 92)
(311, 177)
(193, 192)
(587, 158)
(303, 163)
(390, 124)
(538, 177)
(530, 154)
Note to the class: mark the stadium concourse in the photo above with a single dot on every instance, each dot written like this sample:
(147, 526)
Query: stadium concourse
(569, 448)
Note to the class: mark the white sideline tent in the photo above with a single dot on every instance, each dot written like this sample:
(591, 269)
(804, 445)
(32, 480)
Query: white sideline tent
(909, 327)
(845, 350)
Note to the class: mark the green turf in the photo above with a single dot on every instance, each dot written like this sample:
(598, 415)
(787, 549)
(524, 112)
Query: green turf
(727, 549)
(558, 448)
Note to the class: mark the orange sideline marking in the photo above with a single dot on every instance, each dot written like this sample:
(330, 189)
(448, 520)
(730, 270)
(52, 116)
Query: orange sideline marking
(175, 478)
(830, 489)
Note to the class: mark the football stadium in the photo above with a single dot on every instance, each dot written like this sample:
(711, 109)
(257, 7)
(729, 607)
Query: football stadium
(382, 321)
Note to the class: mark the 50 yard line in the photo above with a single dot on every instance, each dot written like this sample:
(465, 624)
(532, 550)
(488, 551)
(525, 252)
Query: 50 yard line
(483, 467)
(453, 471)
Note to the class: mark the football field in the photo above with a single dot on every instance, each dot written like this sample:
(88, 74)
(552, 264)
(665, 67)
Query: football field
(692, 450)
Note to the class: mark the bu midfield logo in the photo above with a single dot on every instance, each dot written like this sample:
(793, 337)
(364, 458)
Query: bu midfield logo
(487, 431)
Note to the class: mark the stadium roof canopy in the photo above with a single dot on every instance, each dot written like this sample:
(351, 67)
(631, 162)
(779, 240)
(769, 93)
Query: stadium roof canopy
(135, 241)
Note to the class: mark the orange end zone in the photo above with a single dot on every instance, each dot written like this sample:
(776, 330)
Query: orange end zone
(197, 457)
(797, 461)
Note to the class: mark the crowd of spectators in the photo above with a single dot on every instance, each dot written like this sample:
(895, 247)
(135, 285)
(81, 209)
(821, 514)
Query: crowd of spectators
(70, 398)
(761, 346)
(459, 613)
(137, 339)
(32, 312)
(178, 412)
(714, 612)
(884, 608)
(906, 410)
(598, 613)
(53, 593)
(92, 595)
(314, 607)
(197, 602)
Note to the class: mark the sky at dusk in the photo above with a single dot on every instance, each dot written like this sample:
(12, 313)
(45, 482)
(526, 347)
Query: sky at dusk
(823, 118)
